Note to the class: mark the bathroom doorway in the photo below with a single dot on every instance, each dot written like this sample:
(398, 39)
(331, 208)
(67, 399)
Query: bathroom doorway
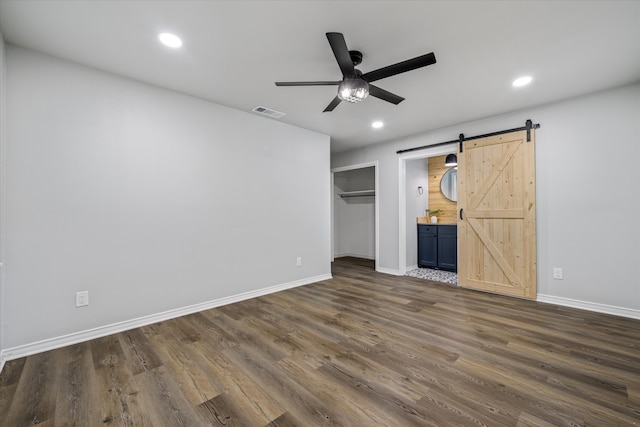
(412, 204)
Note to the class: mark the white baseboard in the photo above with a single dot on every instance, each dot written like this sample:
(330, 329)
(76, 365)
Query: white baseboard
(77, 337)
(412, 267)
(591, 306)
(389, 271)
(371, 257)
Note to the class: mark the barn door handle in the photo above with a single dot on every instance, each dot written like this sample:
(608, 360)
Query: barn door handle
(461, 218)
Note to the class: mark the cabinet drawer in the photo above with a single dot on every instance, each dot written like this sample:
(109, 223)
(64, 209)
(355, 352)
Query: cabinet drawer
(428, 229)
(448, 230)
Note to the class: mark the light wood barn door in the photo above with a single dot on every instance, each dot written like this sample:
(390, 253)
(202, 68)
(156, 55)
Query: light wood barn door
(497, 231)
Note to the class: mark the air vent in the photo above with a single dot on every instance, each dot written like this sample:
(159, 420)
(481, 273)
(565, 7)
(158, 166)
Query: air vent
(268, 112)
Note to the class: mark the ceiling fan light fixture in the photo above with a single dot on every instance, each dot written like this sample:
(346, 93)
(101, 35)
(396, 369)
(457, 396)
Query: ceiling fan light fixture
(353, 90)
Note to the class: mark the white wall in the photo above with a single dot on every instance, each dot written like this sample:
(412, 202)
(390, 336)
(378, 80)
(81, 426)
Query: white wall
(150, 200)
(2, 180)
(588, 201)
(417, 175)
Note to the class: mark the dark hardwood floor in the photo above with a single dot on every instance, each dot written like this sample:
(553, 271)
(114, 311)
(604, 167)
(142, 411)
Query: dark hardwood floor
(362, 349)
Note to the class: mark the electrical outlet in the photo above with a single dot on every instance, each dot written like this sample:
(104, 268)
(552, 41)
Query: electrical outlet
(557, 273)
(299, 261)
(82, 298)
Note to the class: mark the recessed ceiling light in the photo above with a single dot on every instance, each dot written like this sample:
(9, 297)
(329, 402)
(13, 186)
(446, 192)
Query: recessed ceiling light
(170, 40)
(377, 125)
(522, 81)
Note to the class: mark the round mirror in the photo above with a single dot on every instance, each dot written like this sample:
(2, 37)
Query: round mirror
(449, 184)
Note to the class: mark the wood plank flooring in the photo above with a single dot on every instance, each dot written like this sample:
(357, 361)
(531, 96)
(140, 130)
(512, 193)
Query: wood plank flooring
(361, 349)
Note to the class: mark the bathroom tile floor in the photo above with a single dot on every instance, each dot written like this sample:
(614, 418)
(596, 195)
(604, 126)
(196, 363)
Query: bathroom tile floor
(436, 275)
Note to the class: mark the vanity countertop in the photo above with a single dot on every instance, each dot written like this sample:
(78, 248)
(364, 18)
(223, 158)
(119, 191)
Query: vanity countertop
(427, 220)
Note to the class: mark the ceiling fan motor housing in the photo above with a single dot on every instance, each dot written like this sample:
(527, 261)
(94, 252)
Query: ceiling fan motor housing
(356, 57)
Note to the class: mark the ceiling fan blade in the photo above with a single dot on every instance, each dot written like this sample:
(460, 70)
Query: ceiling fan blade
(385, 95)
(339, 47)
(333, 104)
(320, 83)
(400, 67)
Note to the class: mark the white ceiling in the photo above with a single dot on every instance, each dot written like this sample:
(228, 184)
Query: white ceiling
(234, 51)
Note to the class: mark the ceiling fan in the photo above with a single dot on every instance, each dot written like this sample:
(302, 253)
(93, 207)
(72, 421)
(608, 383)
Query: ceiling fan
(356, 86)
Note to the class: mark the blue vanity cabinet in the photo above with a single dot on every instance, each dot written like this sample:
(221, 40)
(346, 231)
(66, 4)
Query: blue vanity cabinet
(448, 247)
(438, 246)
(427, 245)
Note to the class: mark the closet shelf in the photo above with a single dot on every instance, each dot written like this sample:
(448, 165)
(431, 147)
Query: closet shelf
(360, 193)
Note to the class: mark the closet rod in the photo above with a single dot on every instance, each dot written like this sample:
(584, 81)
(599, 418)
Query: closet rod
(528, 126)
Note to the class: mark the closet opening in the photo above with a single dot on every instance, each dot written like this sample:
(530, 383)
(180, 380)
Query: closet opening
(355, 214)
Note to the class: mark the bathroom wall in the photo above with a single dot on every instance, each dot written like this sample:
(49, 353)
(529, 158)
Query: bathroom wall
(417, 203)
(436, 199)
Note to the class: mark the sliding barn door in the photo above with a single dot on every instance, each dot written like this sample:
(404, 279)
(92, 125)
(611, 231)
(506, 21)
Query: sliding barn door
(497, 222)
